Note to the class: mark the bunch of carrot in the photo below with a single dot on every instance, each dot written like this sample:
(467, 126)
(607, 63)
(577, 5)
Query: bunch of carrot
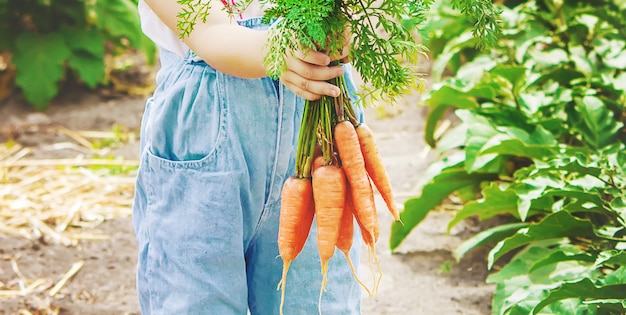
(336, 161)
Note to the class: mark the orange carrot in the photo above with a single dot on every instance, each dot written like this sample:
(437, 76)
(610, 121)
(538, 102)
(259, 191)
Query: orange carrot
(317, 162)
(354, 166)
(346, 227)
(368, 238)
(375, 168)
(296, 217)
(346, 237)
(329, 194)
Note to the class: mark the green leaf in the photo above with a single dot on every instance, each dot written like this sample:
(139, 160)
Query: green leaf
(90, 68)
(513, 284)
(453, 139)
(447, 96)
(517, 269)
(480, 134)
(596, 123)
(433, 193)
(475, 70)
(514, 74)
(562, 254)
(531, 188)
(434, 115)
(517, 147)
(87, 40)
(556, 225)
(451, 96)
(451, 50)
(620, 81)
(608, 306)
(515, 141)
(87, 59)
(452, 161)
(580, 197)
(612, 257)
(549, 58)
(40, 60)
(617, 57)
(494, 234)
(495, 201)
(582, 289)
(583, 64)
(120, 19)
(534, 101)
(616, 277)
(573, 165)
(518, 290)
(569, 307)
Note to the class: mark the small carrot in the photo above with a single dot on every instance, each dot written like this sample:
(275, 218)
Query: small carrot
(346, 237)
(368, 238)
(352, 161)
(329, 194)
(296, 218)
(375, 168)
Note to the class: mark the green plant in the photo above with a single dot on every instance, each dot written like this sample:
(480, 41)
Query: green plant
(383, 47)
(541, 141)
(53, 40)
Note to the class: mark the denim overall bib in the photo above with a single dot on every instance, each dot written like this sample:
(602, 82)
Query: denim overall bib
(215, 152)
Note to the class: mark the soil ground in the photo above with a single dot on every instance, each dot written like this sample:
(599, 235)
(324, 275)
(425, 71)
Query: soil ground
(420, 278)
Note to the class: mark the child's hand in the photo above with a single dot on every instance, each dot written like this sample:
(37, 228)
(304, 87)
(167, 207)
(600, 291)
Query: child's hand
(307, 74)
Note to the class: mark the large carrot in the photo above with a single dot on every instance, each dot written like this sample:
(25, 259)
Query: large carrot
(329, 194)
(346, 237)
(375, 168)
(352, 161)
(296, 217)
(317, 163)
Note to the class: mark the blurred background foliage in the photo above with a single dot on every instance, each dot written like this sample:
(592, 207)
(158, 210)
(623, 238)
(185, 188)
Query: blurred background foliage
(539, 142)
(45, 44)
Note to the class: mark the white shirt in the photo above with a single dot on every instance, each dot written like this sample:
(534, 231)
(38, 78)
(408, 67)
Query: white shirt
(165, 38)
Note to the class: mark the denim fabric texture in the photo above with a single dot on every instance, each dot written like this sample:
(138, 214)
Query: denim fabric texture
(215, 152)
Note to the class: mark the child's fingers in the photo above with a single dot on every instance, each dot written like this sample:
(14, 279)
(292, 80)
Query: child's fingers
(307, 74)
(313, 57)
(303, 93)
(313, 71)
(306, 88)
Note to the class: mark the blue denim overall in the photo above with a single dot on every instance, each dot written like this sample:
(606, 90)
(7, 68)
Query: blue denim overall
(215, 151)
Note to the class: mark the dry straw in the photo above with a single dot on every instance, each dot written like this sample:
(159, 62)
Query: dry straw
(59, 201)
(56, 199)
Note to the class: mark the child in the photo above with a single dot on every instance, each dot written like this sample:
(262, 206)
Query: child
(218, 140)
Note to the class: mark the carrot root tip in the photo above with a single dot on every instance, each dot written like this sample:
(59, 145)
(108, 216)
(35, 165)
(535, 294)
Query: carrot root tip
(282, 284)
(355, 275)
(323, 286)
(380, 272)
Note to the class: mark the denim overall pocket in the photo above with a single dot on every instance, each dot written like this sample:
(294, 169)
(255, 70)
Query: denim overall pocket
(188, 123)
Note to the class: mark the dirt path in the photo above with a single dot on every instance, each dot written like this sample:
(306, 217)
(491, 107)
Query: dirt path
(415, 279)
